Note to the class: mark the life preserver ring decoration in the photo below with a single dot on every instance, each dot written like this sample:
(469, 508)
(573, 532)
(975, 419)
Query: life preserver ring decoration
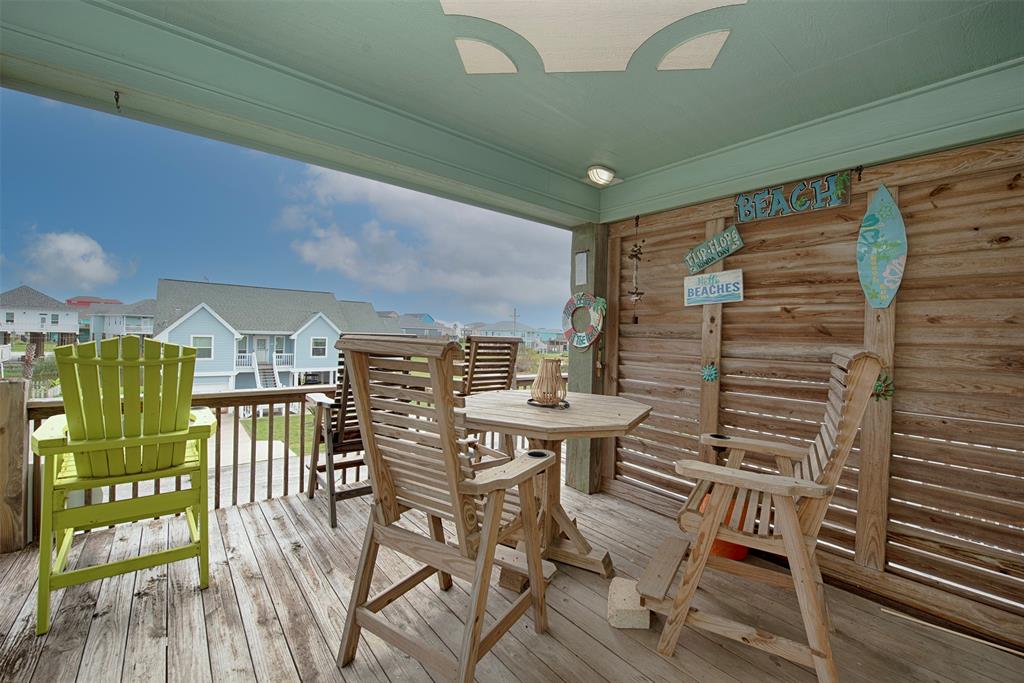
(597, 307)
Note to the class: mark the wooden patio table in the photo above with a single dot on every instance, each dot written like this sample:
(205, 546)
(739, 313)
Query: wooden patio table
(588, 416)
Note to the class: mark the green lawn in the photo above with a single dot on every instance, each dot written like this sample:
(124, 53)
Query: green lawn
(263, 429)
(18, 346)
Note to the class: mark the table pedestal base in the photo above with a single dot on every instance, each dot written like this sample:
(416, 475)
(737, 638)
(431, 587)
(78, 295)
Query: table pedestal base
(561, 540)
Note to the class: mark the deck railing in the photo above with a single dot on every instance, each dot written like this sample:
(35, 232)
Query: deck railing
(245, 360)
(260, 450)
(284, 360)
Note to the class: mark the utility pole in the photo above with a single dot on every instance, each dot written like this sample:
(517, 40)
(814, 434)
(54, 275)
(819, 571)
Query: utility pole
(515, 317)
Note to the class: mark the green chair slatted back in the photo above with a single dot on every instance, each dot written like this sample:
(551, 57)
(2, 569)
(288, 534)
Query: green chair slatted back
(126, 388)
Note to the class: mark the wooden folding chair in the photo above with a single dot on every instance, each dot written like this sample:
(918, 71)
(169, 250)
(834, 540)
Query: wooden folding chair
(491, 366)
(778, 513)
(336, 427)
(127, 418)
(405, 398)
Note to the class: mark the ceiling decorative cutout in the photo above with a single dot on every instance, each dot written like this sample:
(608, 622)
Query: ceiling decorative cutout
(479, 57)
(600, 35)
(696, 53)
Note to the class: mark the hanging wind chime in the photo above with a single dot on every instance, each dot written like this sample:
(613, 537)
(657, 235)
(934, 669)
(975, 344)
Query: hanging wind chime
(636, 252)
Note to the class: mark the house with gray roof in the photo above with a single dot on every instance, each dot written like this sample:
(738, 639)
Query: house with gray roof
(255, 337)
(116, 320)
(28, 311)
(420, 324)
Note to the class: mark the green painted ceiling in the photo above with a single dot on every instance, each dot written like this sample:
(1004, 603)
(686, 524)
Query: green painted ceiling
(785, 63)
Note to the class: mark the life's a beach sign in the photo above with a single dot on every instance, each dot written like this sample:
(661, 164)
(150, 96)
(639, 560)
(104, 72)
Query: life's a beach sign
(813, 194)
(713, 288)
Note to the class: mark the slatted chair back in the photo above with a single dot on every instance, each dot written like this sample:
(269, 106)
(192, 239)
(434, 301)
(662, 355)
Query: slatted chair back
(491, 365)
(344, 421)
(126, 389)
(851, 382)
(405, 398)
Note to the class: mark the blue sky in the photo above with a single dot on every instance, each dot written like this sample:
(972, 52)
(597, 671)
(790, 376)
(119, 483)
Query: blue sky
(92, 203)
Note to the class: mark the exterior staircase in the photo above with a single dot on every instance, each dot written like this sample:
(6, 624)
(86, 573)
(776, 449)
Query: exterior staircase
(266, 376)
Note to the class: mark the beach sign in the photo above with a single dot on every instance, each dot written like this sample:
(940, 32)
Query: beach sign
(713, 288)
(714, 249)
(827, 192)
(881, 249)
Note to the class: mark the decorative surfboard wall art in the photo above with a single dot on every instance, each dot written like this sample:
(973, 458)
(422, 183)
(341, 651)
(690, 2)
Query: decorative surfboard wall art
(881, 249)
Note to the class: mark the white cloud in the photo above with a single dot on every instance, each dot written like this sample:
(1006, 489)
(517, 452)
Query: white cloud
(486, 261)
(68, 260)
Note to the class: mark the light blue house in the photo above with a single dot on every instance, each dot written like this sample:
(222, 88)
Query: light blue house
(116, 320)
(255, 337)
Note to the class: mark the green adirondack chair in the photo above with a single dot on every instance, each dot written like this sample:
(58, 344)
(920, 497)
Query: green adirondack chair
(128, 418)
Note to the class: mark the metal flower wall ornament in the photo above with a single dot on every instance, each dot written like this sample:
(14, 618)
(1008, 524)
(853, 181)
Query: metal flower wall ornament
(884, 388)
(709, 373)
(636, 253)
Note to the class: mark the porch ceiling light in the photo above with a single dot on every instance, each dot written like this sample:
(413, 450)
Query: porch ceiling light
(601, 175)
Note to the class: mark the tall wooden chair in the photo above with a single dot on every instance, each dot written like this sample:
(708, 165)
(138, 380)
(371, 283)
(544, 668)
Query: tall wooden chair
(778, 513)
(336, 427)
(405, 398)
(491, 366)
(127, 418)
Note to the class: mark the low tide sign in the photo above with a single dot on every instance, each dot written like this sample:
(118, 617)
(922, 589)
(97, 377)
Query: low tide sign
(713, 288)
(803, 196)
(713, 250)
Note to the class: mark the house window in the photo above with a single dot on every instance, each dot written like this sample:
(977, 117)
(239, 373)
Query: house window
(204, 346)
(279, 344)
(318, 347)
(54, 318)
(9, 317)
(243, 345)
(42, 320)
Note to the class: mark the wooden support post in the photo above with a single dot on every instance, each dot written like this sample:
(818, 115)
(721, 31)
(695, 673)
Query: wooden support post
(13, 463)
(711, 350)
(583, 455)
(876, 441)
(610, 357)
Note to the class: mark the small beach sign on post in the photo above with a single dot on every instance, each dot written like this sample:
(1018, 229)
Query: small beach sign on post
(714, 249)
(713, 288)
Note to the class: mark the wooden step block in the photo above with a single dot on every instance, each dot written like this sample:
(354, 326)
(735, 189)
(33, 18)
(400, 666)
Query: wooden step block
(624, 608)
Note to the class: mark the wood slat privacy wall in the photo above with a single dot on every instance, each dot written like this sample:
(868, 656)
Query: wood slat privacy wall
(930, 509)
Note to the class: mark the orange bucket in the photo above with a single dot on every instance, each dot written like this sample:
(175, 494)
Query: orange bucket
(731, 551)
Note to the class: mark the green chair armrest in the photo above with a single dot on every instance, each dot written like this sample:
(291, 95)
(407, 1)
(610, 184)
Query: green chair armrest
(202, 423)
(50, 436)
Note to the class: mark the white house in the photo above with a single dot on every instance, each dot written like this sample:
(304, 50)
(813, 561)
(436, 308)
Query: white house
(253, 337)
(28, 311)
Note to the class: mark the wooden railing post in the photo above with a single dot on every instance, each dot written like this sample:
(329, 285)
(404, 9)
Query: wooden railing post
(582, 470)
(14, 456)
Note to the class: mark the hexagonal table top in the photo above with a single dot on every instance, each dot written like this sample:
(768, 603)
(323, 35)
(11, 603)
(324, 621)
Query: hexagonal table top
(588, 415)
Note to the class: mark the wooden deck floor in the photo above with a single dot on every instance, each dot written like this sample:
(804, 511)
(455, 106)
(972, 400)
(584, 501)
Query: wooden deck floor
(280, 579)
